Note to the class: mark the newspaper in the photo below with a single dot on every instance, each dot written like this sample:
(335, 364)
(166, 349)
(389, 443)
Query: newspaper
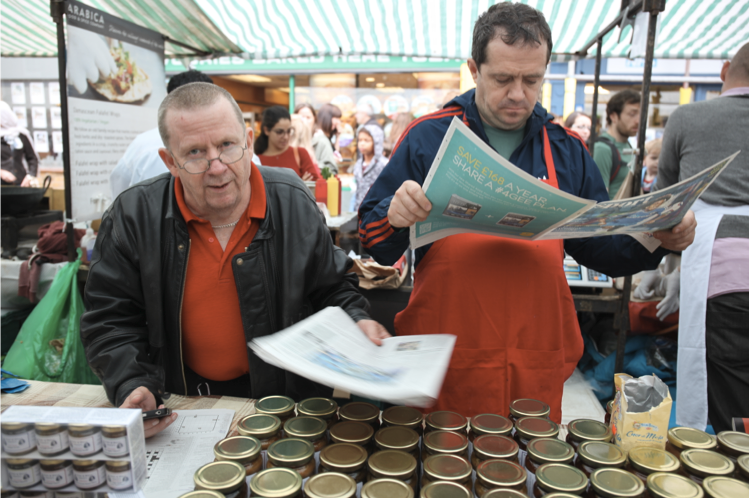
(329, 348)
(475, 190)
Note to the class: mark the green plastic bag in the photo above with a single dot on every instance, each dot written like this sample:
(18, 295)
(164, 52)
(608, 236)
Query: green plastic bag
(56, 321)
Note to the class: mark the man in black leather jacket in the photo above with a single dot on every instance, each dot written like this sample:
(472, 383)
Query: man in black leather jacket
(132, 329)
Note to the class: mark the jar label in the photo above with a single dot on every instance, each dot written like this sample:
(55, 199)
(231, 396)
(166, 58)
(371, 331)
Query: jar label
(531, 481)
(120, 480)
(359, 485)
(23, 478)
(86, 445)
(53, 444)
(89, 479)
(115, 446)
(264, 456)
(57, 478)
(19, 443)
(317, 461)
(521, 456)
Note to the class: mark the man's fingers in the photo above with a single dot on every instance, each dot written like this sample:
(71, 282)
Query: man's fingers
(153, 427)
(416, 193)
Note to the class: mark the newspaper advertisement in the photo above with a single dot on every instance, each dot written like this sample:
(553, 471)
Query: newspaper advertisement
(329, 348)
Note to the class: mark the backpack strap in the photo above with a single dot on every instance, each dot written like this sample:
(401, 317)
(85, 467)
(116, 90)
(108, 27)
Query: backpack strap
(616, 158)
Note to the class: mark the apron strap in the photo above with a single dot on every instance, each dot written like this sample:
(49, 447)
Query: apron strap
(549, 160)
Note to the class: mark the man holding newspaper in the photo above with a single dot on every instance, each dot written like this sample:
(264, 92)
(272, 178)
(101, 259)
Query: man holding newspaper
(507, 300)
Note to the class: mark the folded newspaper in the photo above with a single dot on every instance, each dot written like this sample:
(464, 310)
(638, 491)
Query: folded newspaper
(331, 349)
(475, 190)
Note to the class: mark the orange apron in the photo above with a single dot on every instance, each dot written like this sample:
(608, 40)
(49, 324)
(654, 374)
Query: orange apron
(509, 304)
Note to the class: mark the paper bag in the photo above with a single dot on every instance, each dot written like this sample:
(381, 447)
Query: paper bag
(375, 276)
(642, 409)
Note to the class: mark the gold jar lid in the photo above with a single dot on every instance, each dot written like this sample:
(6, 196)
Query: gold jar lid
(444, 489)
(648, 460)
(359, 411)
(445, 442)
(201, 493)
(616, 483)
(275, 405)
(491, 446)
(686, 438)
(305, 427)
(589, 430)
(446, 421)
(447, 468)
(351, 432)
(743, 464)
(259, 425)
(386, 488)
(725, 487)
(80, 427)
(51, 463)
(501, 473)
(556, 494)
(220, 476)
(113, 429)
(118, 465)
(330, 485)
(16, 426)
(29, 461)
(598, 454)
(669, 485)
(82, 463)
(397, 437)
(529, 408)
(610, 407)
(276, 482)
(705, 463)
(343, 457)
(561, 477)
(237, 448)
(317, 407)
(290, 452)
(735, 443)
(403, 415)
(489, 423)
(45, 426)
(549, 450)
(392, 464)
(533, 427)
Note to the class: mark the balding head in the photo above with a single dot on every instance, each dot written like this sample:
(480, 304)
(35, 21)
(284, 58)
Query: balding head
(736, 73)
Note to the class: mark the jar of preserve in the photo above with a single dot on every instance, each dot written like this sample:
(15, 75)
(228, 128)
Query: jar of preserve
(444, 489)
(244, 450)
(89, 474)
(39, 494)
(354, 433)
(491, 447)
(201, 493)
(500, 474)
(559, 477)
(280, 406)
(593, 455)
(742, 466)
(686, 438)
(615, 483)
(397, 438)
(451, 468)
(609, 411)
(444, 443)
(295, 454)
(543, 451)
(330, 485)
(119, 474)
(85, 439)
(643, 461)
(51, 439)
(393, 464)
(669, 485)
(511, 493)
(528, 408)
(56, 473)
(387, 488)
(732, 444)
(278, 482)
(228, 478)
(724, 487)
(360, 411)
(72, 494)
(582, 430)
(489, 423)
(445, 421)
(264, 428)
(528, 428)
(23, 472)
(18, 438)
(114, 440)
(312, 429)
(345, 458)
(698, 464)
(404, 416)
(323, 408)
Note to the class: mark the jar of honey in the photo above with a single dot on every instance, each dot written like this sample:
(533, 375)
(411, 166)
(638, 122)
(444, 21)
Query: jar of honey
(528, 428)
(582, 430)
(244, 450)
(293, 453)
(732, 444)
(52, 439)
(544, 451)
(559, 477)
(354, 433)
(511, 493)
(330, 485)
(593, 455)
(490, 447)
(397, 438)
(444, 489)
(393, 464)
(404, 416)
(698, 464)
(323, 408)
(686, 438)
(445, 421)
(280, 406)
(360, 411)
(450, 468)
(312, 429)
(23, 472)
(345, 458)
(528, 408)
(278, 482)
(499, 474)
(387, 488)
(489, 423)
(264, 428)
(18, 438)
(644, 460)
(445, 443)
(615, 483)
(669, 485)
(228, 478)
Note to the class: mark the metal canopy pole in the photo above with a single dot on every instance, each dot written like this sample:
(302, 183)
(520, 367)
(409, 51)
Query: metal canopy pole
(596, 83)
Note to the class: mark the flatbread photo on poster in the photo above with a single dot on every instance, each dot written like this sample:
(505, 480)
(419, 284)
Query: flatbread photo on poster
(461, 208)
(131, 84)
(515, 220)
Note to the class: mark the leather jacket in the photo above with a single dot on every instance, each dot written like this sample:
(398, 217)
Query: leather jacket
(131, 329)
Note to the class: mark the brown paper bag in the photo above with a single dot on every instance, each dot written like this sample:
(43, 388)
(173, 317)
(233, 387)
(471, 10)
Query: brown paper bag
(646, 428)
(373, 275)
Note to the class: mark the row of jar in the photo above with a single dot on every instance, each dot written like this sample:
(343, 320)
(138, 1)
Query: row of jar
(52, 439)
(51, 494)
(55, 474)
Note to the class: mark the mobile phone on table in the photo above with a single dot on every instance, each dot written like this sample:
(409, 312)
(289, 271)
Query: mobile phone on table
(158, 413)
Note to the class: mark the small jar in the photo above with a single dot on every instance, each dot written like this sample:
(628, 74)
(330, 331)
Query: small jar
(686, 438)
(387, 488)
(725, 487)
(23, 472)
(345, 458)
(244, 450)
(265, 428)
(56, 473)
(500, 474)
(393, 464)
(742, 467)
(582, 430)
(397, 438)
(293, 453)
(511, 493)
(528, 408)
(450, 468)
(559, 477)
(330, 484)
(119, 474)
(444, 489)
(51, 439)
(615, 483)
(114, 441)
(354, 433)
(89, 474)
(698, 464)
(312, 429)
(18, 438)
(445, 421)
(593, 455)
(85, 439)
(732, 444)
(491, 447)
(228, 478)
(276, 483)
(643, 461)
(359, 411)
(609, 411)
(444, 443)
(323, 408)
(404, 416)
(489, 423)
(201, 493)
(543, 451)
(669, 485)
(39, 494)
(528, 428)
(280, 406)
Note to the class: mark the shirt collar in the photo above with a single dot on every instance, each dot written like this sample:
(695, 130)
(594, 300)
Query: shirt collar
(739, 90)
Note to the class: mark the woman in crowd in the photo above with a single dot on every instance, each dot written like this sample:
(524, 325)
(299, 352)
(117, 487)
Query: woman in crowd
(329, 122)
(323, 149)
(273, 149)
(579, 123)
(371, 161)
(301, 136)
(400, 123)
(16, 148)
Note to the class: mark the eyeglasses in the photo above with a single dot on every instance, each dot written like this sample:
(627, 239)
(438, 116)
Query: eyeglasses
(230, 155)
(280, 133)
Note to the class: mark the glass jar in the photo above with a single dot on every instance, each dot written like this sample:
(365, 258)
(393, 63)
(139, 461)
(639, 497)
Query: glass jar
(609, 411)
(244, 450)
(201, 493)
(643, 461)
(228, 478)
(114, 440)
(450, 468)
(444, 489)
(490, 447)
(293, 453)
(404, 416)
(51, 439)
(330, 484)
(354, 433)
(593, 455)
(686, 438)
(489, 423)
(615, 483)
(89, 474)
(276, 483)
(322, 408)
(312, 429)
(559, 477)
(56, 473)
(360, 411)
(445, 421)
(511, 493)
(39, 494)
(500, 474)
(725, 487)
(528, 408)
(265, 428)
(742, 466)
(345, 458)
(543, 451)
(280, 406)
(393, 464)
(698, 464)
(85, 439)
(444, 443)
(119, 474)
(18, 438)
(528, 428)
(669, 485)
(732, 444)
(387, 488)
(582, 430)
(397, 438)
(23, 472)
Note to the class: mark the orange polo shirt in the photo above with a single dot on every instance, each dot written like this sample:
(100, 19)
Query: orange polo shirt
(213, 340)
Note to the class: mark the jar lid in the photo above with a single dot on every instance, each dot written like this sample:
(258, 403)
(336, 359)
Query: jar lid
(529, 408)
(27, 461)
(14, 426)
(345, 457)
(84, 463)
(743, 464)
(561, 477)
(668, 485)
(275, 405)
(317, 407)
(735, 443)
(44, 426)
(549, 450)
(725, 487)
(598, 454)
(648, 460)
(616, 483)
(397, 437)
(589, 430)
(392, 463)
(501, 473)
(491, 446)
(705, 463)
(52, 462)
(489, 423)
(118, 465)
(330, 485)
(444, 489)
(113, 428)
(305, 427)
(402, 415)
(277, 482)
(260, 425)
(445, 442)
(291, 451)
(220, 476)
(386, 488)
(201, 493)
(237, 448)
(351, 432)
(359, 411)
(80, 427)
(511, 493)
(687, 438)
(446, 421)
(610, 407)
(447, 468)
(533, 427)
